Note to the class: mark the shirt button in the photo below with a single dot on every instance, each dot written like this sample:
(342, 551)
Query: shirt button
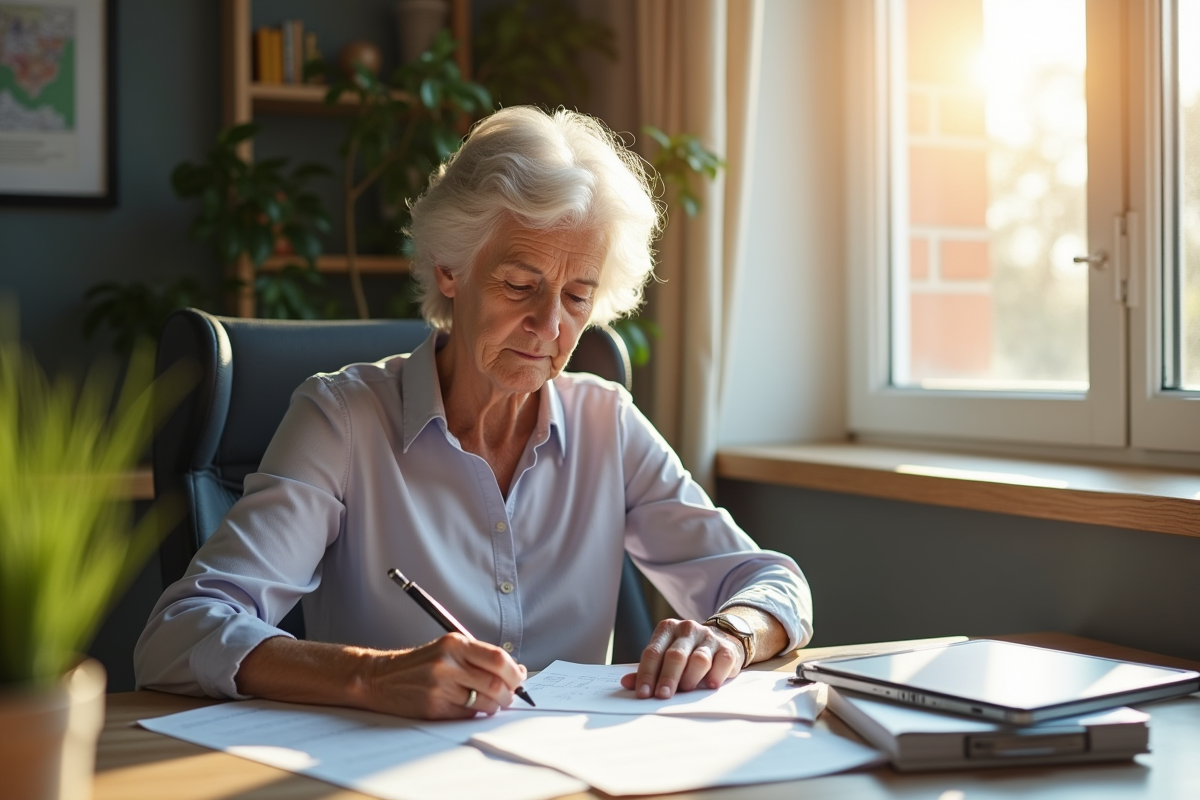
(508, 647)
(506, 587)
(500, 526)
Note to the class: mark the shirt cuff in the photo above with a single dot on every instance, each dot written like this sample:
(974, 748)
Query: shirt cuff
(216, 659)
(798, 629)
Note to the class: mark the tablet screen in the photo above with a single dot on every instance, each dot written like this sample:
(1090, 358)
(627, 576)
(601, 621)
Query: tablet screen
(1005, 674)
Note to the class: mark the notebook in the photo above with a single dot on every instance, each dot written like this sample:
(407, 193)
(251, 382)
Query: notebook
(1011, 683)
(915, 739)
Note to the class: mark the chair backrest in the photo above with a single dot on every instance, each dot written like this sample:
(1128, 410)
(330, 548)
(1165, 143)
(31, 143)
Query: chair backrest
(248, 371)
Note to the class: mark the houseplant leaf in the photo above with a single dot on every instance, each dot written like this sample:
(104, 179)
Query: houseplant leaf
(68, 543)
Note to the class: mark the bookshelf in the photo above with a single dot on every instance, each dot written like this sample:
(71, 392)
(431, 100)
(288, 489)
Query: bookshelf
(336, 264)
(242, 98)
(301, 100)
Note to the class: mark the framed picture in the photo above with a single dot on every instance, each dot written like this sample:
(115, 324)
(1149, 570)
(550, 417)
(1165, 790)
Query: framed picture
(58, 102)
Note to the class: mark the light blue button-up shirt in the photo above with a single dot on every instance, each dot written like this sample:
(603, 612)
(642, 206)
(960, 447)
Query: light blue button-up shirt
(364, 475)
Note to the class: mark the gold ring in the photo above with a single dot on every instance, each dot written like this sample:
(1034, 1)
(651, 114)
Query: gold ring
(471, 698)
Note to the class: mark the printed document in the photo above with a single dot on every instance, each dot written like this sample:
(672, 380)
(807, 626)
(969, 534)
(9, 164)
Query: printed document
(596, 689)
(371, 753)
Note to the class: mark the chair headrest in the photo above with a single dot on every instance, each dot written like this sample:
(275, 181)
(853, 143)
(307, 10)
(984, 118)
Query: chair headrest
(249, 369)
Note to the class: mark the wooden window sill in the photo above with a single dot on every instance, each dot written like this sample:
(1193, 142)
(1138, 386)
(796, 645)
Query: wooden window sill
(1165, 501)
(139, 484)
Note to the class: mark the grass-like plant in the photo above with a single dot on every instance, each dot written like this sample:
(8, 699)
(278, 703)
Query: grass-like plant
(68, 542)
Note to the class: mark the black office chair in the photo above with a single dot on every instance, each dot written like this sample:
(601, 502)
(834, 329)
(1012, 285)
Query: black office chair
(219, 433)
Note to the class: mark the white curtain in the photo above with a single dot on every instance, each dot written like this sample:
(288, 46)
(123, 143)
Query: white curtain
(697, 72)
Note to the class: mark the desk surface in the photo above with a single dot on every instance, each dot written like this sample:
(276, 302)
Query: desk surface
(135, 764)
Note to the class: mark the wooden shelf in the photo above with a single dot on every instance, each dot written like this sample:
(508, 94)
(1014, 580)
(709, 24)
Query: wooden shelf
(302, 99)
(336, 264)
(139, 484)
(1164, 501)
(242, 98)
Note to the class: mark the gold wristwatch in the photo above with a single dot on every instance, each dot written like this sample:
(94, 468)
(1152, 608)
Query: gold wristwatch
(737, 627)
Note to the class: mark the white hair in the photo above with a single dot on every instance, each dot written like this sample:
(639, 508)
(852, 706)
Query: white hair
(545, 171)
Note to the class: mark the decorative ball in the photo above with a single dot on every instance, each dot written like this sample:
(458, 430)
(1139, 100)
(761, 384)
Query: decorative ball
(364, 54)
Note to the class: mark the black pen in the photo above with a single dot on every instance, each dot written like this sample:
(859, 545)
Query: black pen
(441, 616)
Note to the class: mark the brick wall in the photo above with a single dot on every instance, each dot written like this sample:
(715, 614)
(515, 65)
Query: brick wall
(950, 265)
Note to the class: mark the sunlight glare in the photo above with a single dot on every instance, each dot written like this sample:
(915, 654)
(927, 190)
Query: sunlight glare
(281, 757)
(1015, 51)
(1189, 57)
(981, 475)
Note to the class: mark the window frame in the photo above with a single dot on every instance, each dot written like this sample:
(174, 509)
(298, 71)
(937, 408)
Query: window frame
(1097, 418)
(1160, 419)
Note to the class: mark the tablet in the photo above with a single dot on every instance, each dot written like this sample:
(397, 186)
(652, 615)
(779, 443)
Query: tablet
(1014, 683)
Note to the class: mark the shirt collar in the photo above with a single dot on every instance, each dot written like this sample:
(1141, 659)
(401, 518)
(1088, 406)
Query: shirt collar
(550, 409)
(422, 397)
(420, 391)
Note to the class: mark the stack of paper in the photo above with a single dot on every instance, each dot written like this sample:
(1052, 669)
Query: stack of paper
(586, 731)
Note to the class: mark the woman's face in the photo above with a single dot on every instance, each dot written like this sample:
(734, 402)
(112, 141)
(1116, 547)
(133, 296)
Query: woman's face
(529, 297)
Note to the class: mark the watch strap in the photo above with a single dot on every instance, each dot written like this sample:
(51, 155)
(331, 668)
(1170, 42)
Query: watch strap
(722, 622)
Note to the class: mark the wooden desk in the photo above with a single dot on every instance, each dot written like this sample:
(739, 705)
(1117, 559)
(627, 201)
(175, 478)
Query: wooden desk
(134, 764)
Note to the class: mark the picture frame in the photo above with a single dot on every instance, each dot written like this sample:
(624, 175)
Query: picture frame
(58, 103)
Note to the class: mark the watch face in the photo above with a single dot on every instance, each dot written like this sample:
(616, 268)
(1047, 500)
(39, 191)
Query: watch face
(738, 624)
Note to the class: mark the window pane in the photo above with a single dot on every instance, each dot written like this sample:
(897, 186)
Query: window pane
(1188, 114)
(989, 197)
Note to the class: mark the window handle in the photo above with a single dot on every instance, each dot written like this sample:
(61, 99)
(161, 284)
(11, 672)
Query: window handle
(1096, 259)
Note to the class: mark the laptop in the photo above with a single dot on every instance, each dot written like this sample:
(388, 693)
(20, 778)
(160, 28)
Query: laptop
(915, 739)
(1012, 683)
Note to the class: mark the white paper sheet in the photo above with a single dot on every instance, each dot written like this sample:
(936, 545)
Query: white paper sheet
(460, 731)
(371, 753)
(649, 754)
(596, 689)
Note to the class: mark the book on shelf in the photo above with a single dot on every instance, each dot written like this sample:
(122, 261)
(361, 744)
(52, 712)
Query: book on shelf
(262, 55)
(289, 53)
(311, 53)
(280, 53)
(268, 55)
(293, 51)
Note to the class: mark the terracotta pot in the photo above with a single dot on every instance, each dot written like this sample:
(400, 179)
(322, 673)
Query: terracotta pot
(363, 53)
(48, 736)
(418, 22)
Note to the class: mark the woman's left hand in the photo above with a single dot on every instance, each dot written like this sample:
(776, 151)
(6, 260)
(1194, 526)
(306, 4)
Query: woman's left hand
(682, 655)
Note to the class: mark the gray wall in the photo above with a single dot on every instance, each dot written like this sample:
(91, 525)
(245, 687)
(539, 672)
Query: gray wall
(167, 95)
(883, 569)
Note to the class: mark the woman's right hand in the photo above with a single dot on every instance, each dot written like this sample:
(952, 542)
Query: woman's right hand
(433, 681)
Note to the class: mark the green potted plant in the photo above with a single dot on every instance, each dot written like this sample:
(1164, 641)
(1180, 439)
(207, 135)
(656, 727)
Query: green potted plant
(247, 211)
(528, 52)
(137, 310)
(68, 547)
(402, 130)
(678, 160)
(253, 209)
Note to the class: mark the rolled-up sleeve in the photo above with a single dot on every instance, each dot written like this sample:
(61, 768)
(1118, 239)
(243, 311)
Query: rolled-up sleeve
(693, 552)
(265, 555)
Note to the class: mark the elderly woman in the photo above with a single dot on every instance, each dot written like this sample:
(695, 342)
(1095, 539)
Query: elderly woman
(508, 489)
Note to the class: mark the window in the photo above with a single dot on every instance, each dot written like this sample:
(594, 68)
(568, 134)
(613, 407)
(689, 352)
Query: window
(1165, 331)
(1025, 221)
